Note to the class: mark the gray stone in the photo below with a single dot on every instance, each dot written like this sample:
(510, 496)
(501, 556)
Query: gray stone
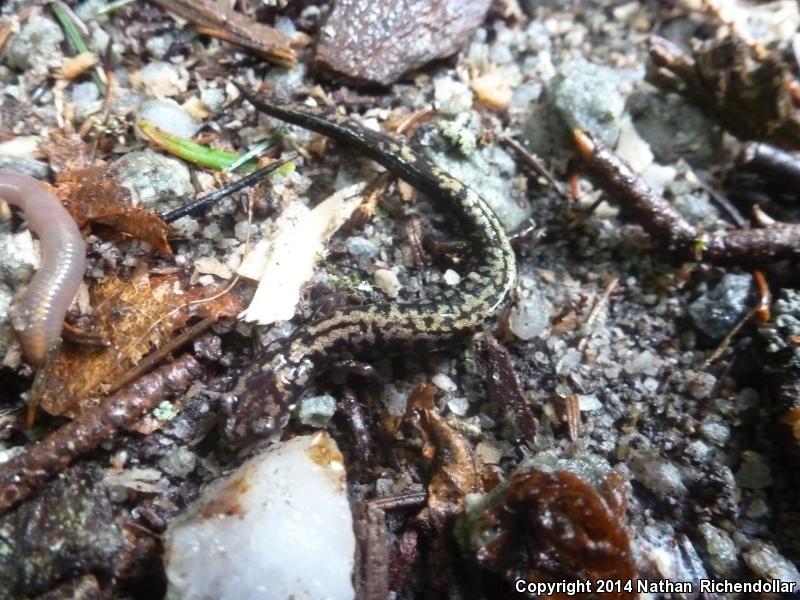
(153, 177)
(6, 333)
(720, 549)
(590, 467)
(587, 96)
(754, 472)
(702, 385)
(766, 562)
(388, 281)
(213, 98)
(717, 310)
(530, 6)
(285, 82)
(179, 462)
(37, 46)
(529, 317)
(168, 116)
(86, 98)
(316, 411)
(659, 475)
(582, 95)
(490, 170)
(376, 43)
(362, 250)
(26, 165)
(158, 45)
(675, 129)
(715, 431)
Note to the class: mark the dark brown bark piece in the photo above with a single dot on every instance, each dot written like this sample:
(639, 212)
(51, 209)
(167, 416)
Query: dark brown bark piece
(374, 43)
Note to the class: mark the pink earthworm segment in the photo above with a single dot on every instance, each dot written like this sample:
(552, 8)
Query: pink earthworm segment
(39, 315)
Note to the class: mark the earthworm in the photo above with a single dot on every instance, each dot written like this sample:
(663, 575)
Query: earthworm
(39, 315)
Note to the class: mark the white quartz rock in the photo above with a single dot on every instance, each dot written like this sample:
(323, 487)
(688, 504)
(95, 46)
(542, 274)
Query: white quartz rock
(279, 527)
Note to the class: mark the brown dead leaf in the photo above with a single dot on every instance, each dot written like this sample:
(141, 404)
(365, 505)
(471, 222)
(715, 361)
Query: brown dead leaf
(135, 315)
(92, 196)
(65, 151)
(455, 472)
(218, 19)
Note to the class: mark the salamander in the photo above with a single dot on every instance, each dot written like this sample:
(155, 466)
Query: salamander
(266, 391)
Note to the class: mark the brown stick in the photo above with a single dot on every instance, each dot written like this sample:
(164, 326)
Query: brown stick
(26, 472)
(666, 224)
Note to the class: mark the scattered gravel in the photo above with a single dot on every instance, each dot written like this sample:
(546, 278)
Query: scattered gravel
(674, 428)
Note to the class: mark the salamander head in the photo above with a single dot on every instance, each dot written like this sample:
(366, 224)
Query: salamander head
(263, 400)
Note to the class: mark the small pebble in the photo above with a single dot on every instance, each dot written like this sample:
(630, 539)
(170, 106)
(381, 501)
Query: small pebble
(529, 317)
(642, 363)
(766, 562)
(586, 465)
(213, 98)
(388, 282)
(153, 177)
(161, 79)
(659, 475)
(86, 99)
(717, 310)
(362, 250)
(754, 472)
(37, 46)
(458, 405)
(702, 385)
(715, 431)
(444, 383)
(720, 550)
(489, 453)
(451, 278)
(168, 116)
(589, 402)
(179, 462)
(316, 411)
(26, 165)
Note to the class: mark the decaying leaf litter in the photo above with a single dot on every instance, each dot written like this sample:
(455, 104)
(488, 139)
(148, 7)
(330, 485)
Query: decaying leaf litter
(646, 385)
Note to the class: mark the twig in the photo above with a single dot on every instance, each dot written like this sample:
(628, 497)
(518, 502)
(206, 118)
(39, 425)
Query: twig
(666, 224)
(531, 161)
(414, 120)
(399, 501)
(201, 204)
(215, 16)
(598, 306)
(726, 205)
(762, 310)
(25, 472)
(155, 357)
(726, 341)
